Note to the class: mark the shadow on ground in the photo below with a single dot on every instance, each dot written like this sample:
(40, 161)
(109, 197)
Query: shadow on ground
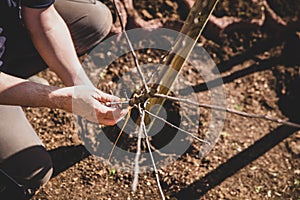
(234, 164)
(65, 157)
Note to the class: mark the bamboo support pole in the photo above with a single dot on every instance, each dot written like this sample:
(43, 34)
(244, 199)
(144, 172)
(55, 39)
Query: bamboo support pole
(190, 33)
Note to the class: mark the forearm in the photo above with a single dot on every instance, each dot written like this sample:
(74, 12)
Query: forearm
(52, 39)
(16, 91)
(85, 101)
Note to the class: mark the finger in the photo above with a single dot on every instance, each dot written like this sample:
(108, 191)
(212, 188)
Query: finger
(103, 111)
(115, 119)
(117, 113)
(104, 97)
(121, 115)
(108, 122)
(110, 114)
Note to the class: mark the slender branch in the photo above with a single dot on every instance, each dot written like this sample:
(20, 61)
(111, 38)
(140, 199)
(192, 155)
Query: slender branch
(121, 131)
(117, 103)
(244, 114)
(131, 47)
(138, 153)
(161, 153)
(152, 158)
(172, 125)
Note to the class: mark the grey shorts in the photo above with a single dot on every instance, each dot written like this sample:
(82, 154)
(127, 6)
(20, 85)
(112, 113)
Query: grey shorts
(22, 154)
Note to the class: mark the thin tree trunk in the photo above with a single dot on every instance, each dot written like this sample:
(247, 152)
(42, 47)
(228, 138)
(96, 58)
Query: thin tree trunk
(190, 33)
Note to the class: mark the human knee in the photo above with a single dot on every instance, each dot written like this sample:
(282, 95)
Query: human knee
(97, 25)
(89, 22)
(100, 19)
(30, 168)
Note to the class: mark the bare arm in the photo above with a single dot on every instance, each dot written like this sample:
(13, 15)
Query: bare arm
(85, 101)
(52, 39)
(16, 91)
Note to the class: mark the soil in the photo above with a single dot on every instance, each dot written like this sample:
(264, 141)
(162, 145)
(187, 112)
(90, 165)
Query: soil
(253, 158)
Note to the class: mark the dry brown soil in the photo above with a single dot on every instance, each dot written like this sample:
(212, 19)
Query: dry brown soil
(253, 158)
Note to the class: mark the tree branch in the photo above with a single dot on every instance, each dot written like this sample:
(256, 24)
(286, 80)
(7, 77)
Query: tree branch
(152, 159)
(244, 114)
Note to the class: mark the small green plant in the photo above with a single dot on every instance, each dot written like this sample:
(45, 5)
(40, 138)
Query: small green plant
(258, 188)
(237, 107)
(297, 183)
(112, 172)
(225, 134)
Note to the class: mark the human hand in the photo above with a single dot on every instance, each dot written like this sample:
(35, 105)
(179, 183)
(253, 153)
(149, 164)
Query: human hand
(90, 103)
